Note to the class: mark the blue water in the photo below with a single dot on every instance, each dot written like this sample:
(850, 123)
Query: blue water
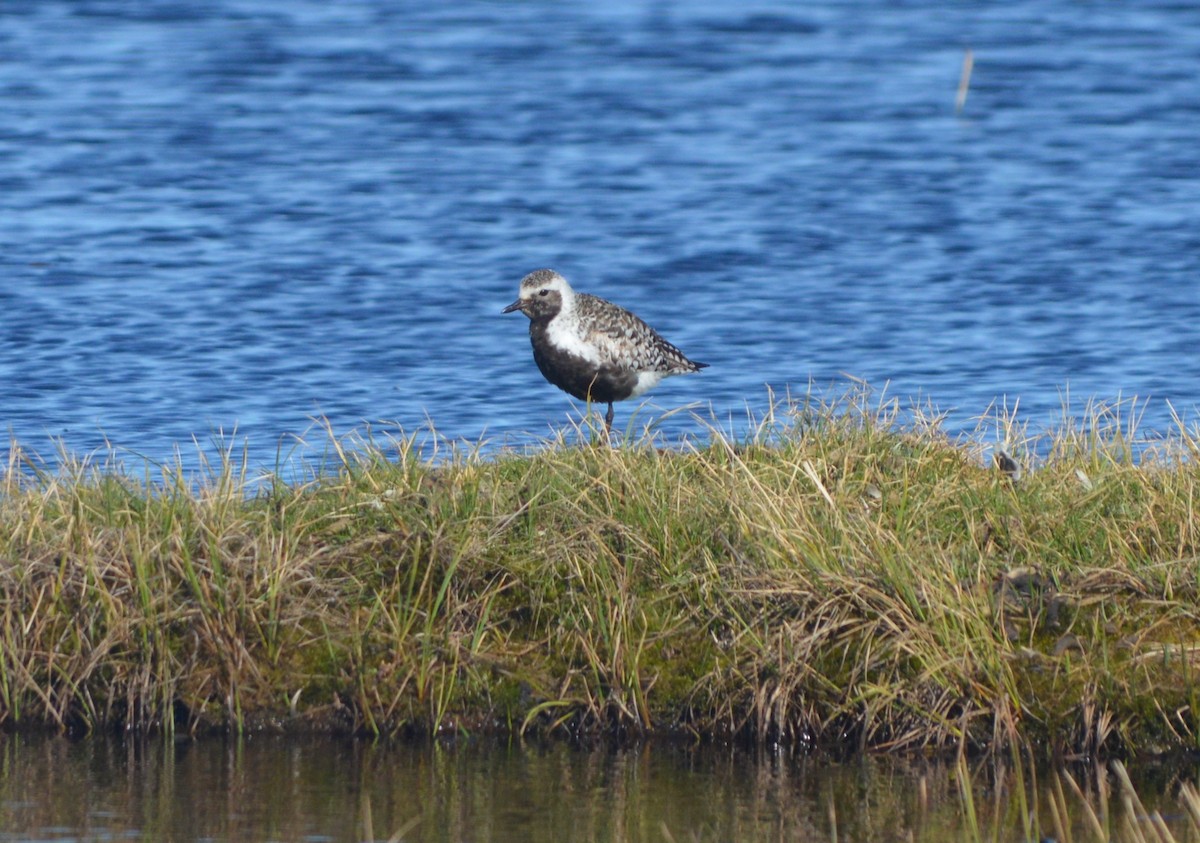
(227, 218)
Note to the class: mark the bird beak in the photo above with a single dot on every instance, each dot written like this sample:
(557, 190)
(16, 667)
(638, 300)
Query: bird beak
(517, 305)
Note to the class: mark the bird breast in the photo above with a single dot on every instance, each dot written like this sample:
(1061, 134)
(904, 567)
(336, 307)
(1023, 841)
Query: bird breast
(564, 333)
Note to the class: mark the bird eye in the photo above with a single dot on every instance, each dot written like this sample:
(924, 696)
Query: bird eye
(543, 293)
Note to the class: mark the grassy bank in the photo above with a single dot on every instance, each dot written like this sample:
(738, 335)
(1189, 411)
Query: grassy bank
(837, 580)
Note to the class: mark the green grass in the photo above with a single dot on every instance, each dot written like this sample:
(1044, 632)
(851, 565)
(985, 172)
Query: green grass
(835, 579)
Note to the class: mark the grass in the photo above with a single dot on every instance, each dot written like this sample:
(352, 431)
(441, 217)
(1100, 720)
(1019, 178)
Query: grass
(835, 579)
(1095, 802)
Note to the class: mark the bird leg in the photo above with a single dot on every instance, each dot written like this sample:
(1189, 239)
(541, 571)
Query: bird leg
(608, 417)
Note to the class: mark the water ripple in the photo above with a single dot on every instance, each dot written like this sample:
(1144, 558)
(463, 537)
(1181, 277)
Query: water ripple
(238, 217)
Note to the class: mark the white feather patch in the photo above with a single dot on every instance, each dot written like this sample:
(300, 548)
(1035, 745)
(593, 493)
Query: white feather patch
(647, 381)
(563, 333)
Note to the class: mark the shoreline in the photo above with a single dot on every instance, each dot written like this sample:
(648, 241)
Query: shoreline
(836, 581)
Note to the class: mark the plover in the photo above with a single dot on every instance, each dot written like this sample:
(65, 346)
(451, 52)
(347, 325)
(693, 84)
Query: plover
(591, 348)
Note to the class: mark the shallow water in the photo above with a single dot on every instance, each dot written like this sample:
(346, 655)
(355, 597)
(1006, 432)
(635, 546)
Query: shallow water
(228, 218)
(322, 789)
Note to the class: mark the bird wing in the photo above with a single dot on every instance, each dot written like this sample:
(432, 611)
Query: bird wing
(624, 341)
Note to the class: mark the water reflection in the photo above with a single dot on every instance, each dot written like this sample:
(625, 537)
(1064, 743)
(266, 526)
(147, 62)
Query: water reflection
(324, 789)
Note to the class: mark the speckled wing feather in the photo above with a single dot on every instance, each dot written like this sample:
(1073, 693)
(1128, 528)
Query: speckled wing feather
(624, 341)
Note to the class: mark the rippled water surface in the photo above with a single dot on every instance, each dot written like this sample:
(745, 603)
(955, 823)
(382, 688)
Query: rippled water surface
(294, 789)
(239, 215)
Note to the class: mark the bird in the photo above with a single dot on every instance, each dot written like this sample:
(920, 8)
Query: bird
(591, 348)
(1005, 462)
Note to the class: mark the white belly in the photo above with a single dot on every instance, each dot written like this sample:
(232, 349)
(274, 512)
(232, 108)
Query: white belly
(645, 382)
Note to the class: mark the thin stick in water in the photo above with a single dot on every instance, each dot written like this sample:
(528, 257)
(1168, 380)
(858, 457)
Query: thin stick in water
(964, 81)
